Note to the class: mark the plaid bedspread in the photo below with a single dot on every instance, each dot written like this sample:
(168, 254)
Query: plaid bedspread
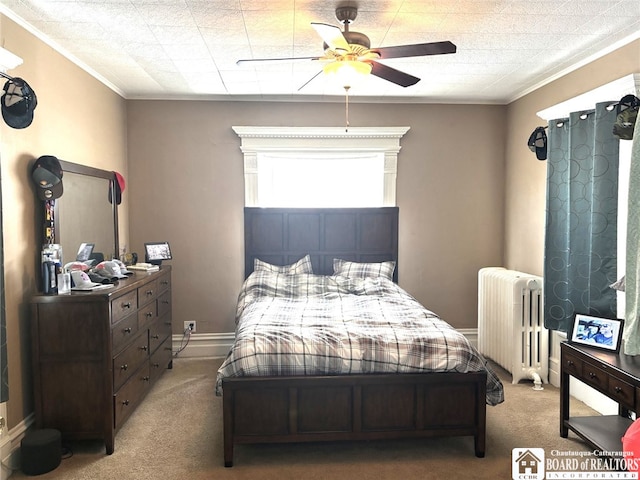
(332, 325)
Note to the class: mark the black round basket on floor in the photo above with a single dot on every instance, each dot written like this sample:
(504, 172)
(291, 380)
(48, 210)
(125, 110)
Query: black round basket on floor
(41, 451)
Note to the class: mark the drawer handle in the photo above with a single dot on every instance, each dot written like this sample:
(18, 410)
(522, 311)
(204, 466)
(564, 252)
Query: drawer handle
(144, 348)
(618, 389)
(126, 305)
(167, 323)
(145, 379)
(156, 365)
(166, 302)
(149, 314)
(125, 403)
(124, 367)
(164, 282)
(155, 337)
(126, 330)
(149, 292)
(592, 375)
(570, 363)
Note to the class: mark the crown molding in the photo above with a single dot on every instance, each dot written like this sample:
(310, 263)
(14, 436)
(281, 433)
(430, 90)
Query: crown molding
(8, 61)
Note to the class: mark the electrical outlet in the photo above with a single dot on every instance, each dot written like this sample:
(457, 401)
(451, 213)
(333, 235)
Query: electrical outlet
(190, 325)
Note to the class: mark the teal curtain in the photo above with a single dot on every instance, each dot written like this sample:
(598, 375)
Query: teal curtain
(580, 253)
(631, 335)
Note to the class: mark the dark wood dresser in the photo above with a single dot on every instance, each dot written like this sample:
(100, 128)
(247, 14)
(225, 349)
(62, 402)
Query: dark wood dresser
(615, 375)
(97, 354)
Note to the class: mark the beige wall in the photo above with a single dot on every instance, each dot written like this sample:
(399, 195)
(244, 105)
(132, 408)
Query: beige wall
(186, 178)
(77, 119)
(526, 176)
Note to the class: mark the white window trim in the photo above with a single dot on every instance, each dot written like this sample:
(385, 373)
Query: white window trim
(300, 140)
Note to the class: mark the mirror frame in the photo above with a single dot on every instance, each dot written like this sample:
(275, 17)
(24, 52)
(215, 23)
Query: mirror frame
(99, 173)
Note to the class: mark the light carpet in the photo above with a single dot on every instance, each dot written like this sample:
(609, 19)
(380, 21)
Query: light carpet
(176, 434)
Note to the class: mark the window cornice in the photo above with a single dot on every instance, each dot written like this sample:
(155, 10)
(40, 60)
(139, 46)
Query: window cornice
(257, 140)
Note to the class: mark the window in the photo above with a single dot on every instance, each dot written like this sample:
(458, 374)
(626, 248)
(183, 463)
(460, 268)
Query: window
(320, 167)
(331, 180)
(611, 91)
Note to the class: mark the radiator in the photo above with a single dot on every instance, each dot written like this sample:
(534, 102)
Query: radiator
(510, 323)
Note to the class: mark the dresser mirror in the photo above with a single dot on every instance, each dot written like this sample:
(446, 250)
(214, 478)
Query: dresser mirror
(84, 213)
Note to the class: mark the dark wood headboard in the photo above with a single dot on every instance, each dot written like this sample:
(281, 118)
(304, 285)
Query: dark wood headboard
(283, 235)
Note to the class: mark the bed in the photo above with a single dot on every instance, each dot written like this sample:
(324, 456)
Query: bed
(337, 374)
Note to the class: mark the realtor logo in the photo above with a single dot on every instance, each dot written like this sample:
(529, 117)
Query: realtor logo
(527, 463)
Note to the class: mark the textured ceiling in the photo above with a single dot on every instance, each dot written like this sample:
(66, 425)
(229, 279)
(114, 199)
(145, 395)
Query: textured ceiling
(188, 48)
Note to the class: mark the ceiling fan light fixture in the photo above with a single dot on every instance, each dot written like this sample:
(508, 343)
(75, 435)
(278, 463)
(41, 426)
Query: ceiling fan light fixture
(347, 73)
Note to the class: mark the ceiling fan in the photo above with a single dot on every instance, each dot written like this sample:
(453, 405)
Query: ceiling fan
(342, 46)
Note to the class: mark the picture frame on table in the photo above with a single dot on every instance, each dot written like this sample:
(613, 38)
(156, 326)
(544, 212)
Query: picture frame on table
(156, 252)
(597, 332)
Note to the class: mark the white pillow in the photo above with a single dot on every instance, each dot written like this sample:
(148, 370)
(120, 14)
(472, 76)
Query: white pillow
(301, 266)
(356, 269)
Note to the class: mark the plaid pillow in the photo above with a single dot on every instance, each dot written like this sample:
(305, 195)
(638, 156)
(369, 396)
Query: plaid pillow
(355, 269)
(301, 266)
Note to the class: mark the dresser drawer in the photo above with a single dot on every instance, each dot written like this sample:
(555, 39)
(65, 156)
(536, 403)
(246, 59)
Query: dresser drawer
(147, 293)
(123, 306)
(146, 315)
(572, 364)
(123, 331)
(594, 376)
(160, 359)
(159, 330)
(131, 394)
(622, 392)
(130, 359)
(164, 303)
(164, 283)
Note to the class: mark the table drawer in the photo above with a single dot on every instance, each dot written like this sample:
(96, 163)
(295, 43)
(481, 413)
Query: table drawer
(131, 394)
(622, 392)
(123, 306)
(594, 376)
(130, 359)
(147, 292)
(572, 364)
(123, 331)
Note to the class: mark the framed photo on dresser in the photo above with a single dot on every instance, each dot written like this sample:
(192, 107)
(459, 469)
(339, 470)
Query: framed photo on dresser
(597, 332)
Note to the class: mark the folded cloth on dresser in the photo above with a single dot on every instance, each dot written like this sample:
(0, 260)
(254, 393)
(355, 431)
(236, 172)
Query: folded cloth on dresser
(306, 324)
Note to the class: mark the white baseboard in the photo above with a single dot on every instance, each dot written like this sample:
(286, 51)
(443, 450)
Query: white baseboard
(5, 443)
(10, 447)
(203, 344)
(471, 334)
(599, 402)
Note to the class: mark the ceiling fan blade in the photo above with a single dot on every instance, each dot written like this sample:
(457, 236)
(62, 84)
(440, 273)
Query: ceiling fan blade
(283, 59)
(332, 36)
(391, 74)
(415, 50)
(309, 81)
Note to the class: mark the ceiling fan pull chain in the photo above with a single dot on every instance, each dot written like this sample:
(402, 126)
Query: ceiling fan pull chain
(346, 95)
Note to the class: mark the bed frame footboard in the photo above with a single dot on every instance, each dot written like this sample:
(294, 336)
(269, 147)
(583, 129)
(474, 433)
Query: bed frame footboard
(352, 408)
